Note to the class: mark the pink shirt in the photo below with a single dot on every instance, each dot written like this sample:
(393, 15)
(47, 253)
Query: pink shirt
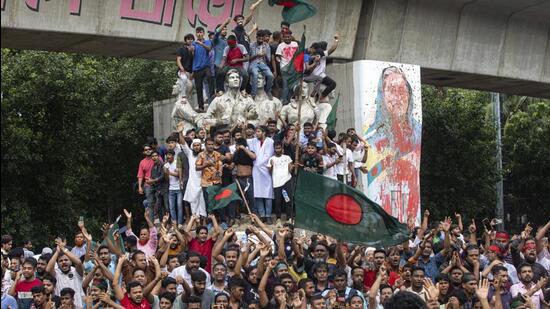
(145, 168)
(520, 288)
(151, 246)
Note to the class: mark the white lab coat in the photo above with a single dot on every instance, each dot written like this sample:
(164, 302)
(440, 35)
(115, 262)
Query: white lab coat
(193, 191)
(263, 185)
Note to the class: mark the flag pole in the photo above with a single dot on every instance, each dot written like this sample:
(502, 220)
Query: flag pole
(244, 197)
(297, 153)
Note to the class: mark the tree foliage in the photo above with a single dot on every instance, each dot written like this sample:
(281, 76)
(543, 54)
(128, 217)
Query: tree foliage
(457, 171)
(72, 130)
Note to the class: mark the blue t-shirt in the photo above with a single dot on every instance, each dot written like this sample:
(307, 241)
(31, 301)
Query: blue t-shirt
(8, 300)
(201, 58)
(219, 43)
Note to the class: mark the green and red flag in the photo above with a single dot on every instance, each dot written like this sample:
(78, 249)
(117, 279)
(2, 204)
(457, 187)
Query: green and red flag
(331, 119)
(295, 10)
(219, 197)
(330, 207)
(294, 71)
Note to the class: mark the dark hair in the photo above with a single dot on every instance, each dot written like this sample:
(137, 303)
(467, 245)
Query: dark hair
(193, 299)
(208, 139)
(522, 265)
(260, 33)
(191, 254)
(262, 128)
(103, 247)
(416, 268)
(50, 278)
(6, 239)
(220, 294)
(171, 152)
(189, 36)
(320, 265)
(236, 282)
(379, 251)
(135, 253)
(155, 151)
(278, 144)
(38, 289)
(231, 37)
(276, 35)
(169, 296)
(405, 300)
(167, 281)
(198, 276)
(200, 228)
(132, 284)
(308, 124)
(285, 276)
(237, 17)
(67, 291)
(250, 126)
(302, 283)
(467, 277)
(151, 140)
(384, 286)
(312, 144)
(498, 268)
(241, 141)
(284, 23)
(45, 257)
(442, 277)
(340, 273)
(199, 29)
(31, 261)
(16, 252)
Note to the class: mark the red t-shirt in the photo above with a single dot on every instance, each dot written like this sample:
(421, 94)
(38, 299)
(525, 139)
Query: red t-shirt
(370, 277)
(145, 168)
(204, 249)
(234, 53)
(23, 291)
(127, 303)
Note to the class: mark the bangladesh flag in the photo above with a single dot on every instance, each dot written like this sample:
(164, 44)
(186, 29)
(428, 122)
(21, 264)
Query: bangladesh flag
(330, 207)
(331, 119)
(295, 10)
(294, 71)
(219, 197)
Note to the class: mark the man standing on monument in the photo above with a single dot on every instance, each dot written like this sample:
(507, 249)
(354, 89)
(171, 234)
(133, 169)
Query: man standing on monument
(201, 61)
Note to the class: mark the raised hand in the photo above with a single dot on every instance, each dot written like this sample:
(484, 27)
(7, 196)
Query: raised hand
(127, 214)
(264, 249)
(472, 228)
(271, 265)
(483, 290)
(446, 224)
(433, 291)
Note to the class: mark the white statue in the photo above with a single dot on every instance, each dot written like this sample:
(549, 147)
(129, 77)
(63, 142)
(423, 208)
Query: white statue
(265, 107)
(183, 115)
(232, 107)
(289, 112)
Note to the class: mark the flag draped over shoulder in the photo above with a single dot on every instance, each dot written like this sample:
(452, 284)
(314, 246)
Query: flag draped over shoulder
(295, 10)
(295, 69)
(219, 197)
(330, 207)
(331, 119)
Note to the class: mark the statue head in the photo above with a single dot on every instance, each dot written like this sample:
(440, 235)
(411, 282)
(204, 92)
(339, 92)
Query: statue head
(305, 90)
(261, 81)
(232, 79)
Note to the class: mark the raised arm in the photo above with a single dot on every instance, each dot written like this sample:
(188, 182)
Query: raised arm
(217, 250)
(216, 231)
(459, 221)
(128, 220)
(472, 231)
(119, 294)
(50, 268)
(151, 285)
(373, 303)
(447, 241)
(252, 9)
(341, 260)
(540, 235)
(243, 257)
(262, 226)
(264, 300)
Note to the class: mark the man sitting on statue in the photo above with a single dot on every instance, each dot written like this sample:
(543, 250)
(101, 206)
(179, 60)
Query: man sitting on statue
(260, 56)
(234, 57)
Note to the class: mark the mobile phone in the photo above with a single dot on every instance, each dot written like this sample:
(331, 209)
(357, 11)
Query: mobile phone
(81, 219)
(487, 224)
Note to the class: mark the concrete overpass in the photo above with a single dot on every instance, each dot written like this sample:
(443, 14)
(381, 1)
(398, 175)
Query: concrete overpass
(496, 45)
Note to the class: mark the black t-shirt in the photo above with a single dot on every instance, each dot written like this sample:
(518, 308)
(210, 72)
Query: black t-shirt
(273, 47)
(312, 162)
(242, 37)
(186, 59)
(226, 172)
(240, 157)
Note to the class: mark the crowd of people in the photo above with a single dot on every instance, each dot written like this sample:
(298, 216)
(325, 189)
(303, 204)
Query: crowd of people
(200, 266)
(189, 257)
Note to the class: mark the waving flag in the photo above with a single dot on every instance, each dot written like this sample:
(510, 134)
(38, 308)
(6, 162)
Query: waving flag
(294, 71)
(295, 10)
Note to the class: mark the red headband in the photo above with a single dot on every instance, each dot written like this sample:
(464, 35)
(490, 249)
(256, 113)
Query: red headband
(528, 246)
(231, 42)
(495, 249)
(502, 235)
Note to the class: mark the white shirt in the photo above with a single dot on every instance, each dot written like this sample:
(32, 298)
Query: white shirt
(280, 173)
(70, 280)
(182, 271)
(319, 70)
(174, 181)
(286, 51)
(358, 154)
(341, 168)
(330, 172)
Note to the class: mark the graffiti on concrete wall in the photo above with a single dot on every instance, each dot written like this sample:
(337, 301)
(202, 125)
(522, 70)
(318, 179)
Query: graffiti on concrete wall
(207, 13)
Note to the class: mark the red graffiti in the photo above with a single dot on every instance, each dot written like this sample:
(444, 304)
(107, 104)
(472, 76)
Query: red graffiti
(163, 12)
(230, 8)
(74, 5)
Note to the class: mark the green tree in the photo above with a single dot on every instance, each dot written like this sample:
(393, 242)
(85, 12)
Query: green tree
(457, 171)
(72, 130)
